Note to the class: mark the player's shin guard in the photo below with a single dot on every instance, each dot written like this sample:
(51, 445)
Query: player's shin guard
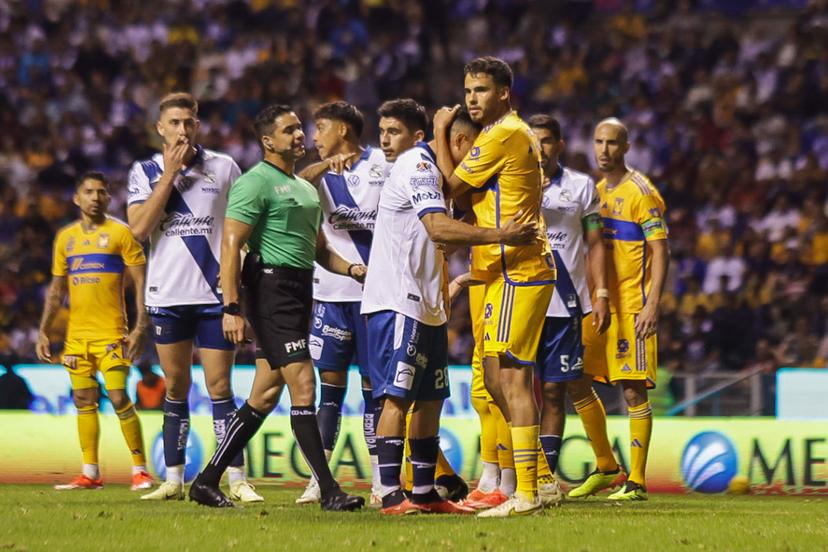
(243, 426)
(551, 446)
(594, 419)
(641, 427)
(370, 417)
(89, 433)
(424, 454)
(525, 441)
(176, 431)
(330, 413)
(504, 439)
(223, 411)
(488, 430)
(306, 432)
(131, 428)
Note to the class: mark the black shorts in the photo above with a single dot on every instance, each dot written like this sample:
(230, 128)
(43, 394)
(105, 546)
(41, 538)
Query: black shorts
(278, 304)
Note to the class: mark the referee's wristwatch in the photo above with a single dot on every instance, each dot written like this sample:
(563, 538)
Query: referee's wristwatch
(232, 308)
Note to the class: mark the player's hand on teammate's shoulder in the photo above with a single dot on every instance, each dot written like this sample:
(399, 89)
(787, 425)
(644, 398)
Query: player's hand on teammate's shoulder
(341, 162)
(647, 322)
(358, 272)
(443, 118)
(600, 315)
(43, 347)
(174, 156)
(518, 233)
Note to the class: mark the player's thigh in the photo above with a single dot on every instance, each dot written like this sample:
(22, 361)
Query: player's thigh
(79, 365)
(595, 350)
(333, 337)
(561, 350)
(176, 362)
(629, 357)
(513, 320)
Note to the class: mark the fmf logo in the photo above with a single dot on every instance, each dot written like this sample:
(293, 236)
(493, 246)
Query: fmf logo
(295, 346)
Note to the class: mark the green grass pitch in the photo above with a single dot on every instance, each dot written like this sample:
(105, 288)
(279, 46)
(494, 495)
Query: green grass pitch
(35, 517)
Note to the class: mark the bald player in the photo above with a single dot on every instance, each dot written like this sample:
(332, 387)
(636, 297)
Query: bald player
(635, 235)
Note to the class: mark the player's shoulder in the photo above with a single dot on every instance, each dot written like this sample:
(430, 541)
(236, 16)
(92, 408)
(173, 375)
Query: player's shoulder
(150, 167)
(640, 184)
(117, 225)
(505, 127)
(67, 229)
(217, 157)
(378, 165)
(416, 159)
(577, 179)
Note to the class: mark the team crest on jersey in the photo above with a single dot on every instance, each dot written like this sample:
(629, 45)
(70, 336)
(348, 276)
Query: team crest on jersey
(619, 206)
(103, 240)
(185, 183)
(422, 166)
(353, 181)
(210, 178)
(375, 171)
(623, 348)
(474, 153)
(565, 195)
(488, 312)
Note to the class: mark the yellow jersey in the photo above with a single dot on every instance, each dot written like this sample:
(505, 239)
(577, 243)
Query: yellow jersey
(503, 167)
(93, 262)
(633, 215)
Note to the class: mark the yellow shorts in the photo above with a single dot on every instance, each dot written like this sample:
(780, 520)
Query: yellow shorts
(83, 358)
(513, 319)
(618, 354)
(478, 386)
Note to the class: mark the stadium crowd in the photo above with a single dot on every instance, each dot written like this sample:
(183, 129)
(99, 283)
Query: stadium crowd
(726, 110)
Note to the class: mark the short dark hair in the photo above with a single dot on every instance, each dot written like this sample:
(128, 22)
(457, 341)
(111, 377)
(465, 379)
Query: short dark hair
(265, 120)
(344, 112)
(464, 121)
(412, 114)
(183, 100)
(496, 68)
(93, 175)
(541, 120)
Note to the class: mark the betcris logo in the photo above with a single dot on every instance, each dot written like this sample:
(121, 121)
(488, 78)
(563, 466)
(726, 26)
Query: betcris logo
(709, 462)
(194, 455)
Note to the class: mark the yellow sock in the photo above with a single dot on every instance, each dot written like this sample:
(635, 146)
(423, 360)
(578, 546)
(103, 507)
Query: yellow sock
(594, 418)
(641, 427)
(443, 466)
(488, 430)
(89, 433)
(544, 473)
(525, 440)
(408, 468)
(131, 428)
(505, 458)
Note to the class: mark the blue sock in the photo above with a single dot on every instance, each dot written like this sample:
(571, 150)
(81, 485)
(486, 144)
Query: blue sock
(390, 452)
(223, 410)
(176, 430)
(551, 445)
(370, 417)
(329, 414)
(424, 464)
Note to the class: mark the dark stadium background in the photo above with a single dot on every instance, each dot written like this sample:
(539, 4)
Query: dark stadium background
(726, 102)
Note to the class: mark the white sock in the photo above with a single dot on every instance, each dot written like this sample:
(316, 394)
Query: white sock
(175, 474)
(508, 481)
(489, 478)
(235, 473)
(375, 474)
(91, 471)
(139, 469)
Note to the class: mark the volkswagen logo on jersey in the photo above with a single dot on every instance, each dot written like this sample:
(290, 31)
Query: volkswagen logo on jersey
(452, 449)
(194, 457)
(709, 462)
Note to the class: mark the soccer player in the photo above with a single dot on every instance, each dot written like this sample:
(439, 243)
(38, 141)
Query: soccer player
(405, 304)
(278, 214)
(349, 210)
(570, 209)
(90, 258)
(177, 199)
(503, 170)
(635, 235)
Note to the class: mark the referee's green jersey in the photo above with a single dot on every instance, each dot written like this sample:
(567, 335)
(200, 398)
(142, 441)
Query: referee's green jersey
(284, 211)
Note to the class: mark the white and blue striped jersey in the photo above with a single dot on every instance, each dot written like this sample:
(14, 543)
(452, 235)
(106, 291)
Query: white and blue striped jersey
(405, 274)
(349, 206)
(568, 197)
(185, 248)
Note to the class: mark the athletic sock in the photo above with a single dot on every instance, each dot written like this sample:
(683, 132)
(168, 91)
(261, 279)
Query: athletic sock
(508, 481)
(390, 455)
(89, 433)
(424, 454)
(175, 474)
(329, 414)
(489, 477)
(443, 465)
(131, 428)
(488, 430)
(505, 457)
(544, 469)
(92, 471)
(594, 419)
(641, 428)
(223, 410)
(551, 445)
(306, 432)
(525, 439)
(370, 417)
(243, 426)
(176, 431)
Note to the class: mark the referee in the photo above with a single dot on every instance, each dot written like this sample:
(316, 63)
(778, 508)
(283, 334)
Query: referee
(277, 214)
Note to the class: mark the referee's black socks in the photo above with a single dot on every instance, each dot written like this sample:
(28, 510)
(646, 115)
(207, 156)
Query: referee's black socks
(243, 426)
(306, 431)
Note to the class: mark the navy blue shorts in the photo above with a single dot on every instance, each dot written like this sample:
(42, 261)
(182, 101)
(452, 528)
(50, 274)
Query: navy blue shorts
(408, 358)
(201, 323)
(561, 350)
(338, 337)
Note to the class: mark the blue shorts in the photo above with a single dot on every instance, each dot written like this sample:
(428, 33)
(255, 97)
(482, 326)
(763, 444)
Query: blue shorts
(409, 359)
(338, 337)
(201, 323)
(561, 350)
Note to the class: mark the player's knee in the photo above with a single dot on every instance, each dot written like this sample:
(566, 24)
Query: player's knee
(178, 388)
(579, 389)
(635, 392)
(553, 394)
(85, 398)
(118, 398)
(219, 388)
(340, 379)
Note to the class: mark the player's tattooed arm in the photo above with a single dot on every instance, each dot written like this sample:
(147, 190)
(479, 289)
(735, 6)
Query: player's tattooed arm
(135, 341)
(331, 260)
(647, 322)
(54, 299)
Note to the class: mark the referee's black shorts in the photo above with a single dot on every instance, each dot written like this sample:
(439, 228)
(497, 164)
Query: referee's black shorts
(278, 305)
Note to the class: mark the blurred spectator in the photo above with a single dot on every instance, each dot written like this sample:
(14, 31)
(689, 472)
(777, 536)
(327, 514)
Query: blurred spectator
(14, 391)
(151, 388)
